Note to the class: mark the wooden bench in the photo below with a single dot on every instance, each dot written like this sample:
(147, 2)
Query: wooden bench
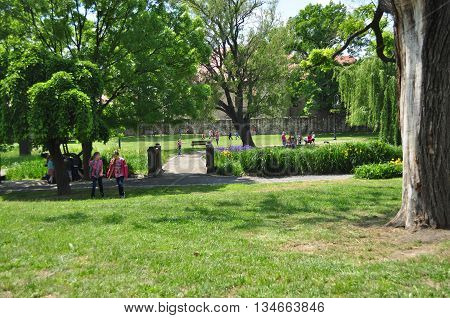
(199, 143)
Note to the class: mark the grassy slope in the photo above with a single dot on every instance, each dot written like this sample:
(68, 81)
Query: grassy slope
(289, 240)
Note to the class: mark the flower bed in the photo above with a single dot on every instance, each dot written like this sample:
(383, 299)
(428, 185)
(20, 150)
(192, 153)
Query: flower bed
(328, 159)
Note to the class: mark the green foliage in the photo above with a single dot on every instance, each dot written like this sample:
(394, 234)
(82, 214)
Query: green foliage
(368, 89)
(129, 81)
(313, 82)
(379, 171)
(310, 160)
(316, 33)
(59, 110)
(24, 68)
(27, 169)
(5, 147)
(243, 37)
(317, 27)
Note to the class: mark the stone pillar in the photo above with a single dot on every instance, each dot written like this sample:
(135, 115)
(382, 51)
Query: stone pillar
(210, 158)
(154, 160)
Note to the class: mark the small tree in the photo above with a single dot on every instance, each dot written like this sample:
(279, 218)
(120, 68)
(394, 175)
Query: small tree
(59, 111)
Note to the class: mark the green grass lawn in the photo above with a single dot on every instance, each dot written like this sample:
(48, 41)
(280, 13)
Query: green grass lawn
(310, 239)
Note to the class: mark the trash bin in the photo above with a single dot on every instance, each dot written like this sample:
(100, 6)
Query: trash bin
(154, 160)
(210, 158)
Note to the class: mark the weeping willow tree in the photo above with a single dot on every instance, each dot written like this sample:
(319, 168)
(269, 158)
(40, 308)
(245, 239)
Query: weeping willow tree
(368, 90)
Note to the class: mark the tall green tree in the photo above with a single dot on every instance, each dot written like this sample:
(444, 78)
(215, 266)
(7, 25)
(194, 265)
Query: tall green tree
(317, 27)
(25, 67)
(59, 111)
(323, 27)
(132, 42)
(369, 92)
(248, 66)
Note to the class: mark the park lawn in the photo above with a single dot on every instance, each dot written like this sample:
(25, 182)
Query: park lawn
(309, 239)
(134, 149)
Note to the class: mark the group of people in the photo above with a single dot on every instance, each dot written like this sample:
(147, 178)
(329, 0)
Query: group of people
(71, 164)
(215, 134)
(292, 140)
(236, 135)
(117, 168)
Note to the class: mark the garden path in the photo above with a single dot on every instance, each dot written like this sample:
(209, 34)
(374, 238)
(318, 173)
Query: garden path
(193, 163)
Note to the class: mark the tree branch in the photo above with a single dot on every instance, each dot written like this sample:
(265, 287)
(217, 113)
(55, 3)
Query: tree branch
(375, 27)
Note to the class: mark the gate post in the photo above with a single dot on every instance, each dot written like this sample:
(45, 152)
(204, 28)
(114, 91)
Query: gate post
(154, 161)
(158, 157)
(210, 158)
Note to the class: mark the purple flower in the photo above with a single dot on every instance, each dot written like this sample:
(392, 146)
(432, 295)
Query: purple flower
(234, 148)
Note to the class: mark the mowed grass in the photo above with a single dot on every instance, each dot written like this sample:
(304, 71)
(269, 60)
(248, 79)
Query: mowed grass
(310, 239)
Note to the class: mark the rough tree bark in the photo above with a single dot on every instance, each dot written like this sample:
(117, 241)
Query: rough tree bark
(86, 148)
(423, 59)
(25, 147)
(62, 178)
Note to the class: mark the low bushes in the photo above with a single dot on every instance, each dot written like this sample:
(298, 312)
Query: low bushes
(33, 167)
(26, 170)
(393, 169)
(327, 159)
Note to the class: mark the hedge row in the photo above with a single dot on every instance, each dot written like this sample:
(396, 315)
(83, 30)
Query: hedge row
(328, 159)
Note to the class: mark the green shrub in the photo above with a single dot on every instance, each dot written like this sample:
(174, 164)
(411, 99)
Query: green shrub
(328, 159)
(379, 171)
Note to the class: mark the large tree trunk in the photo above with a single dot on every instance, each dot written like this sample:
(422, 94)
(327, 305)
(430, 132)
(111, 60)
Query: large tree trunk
(25, 147)
(423, 55)
(62, 177)
(243, 127)
(87, 153)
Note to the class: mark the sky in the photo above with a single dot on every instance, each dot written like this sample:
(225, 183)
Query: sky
(290, 8)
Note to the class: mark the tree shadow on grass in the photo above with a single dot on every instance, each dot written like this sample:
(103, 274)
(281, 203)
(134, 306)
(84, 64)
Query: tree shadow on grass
(71, 218)
(76, 218)
(361, 205)
(110, 193)
(332, 208)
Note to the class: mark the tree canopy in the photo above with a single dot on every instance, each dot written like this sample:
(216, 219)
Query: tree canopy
(368, 90)
(243, 36)
(149, 75)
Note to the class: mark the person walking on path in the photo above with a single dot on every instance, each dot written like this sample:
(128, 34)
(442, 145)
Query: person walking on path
(119, 169)
(96, 174)
(179, 144)
(217, 137)
(283, 139)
